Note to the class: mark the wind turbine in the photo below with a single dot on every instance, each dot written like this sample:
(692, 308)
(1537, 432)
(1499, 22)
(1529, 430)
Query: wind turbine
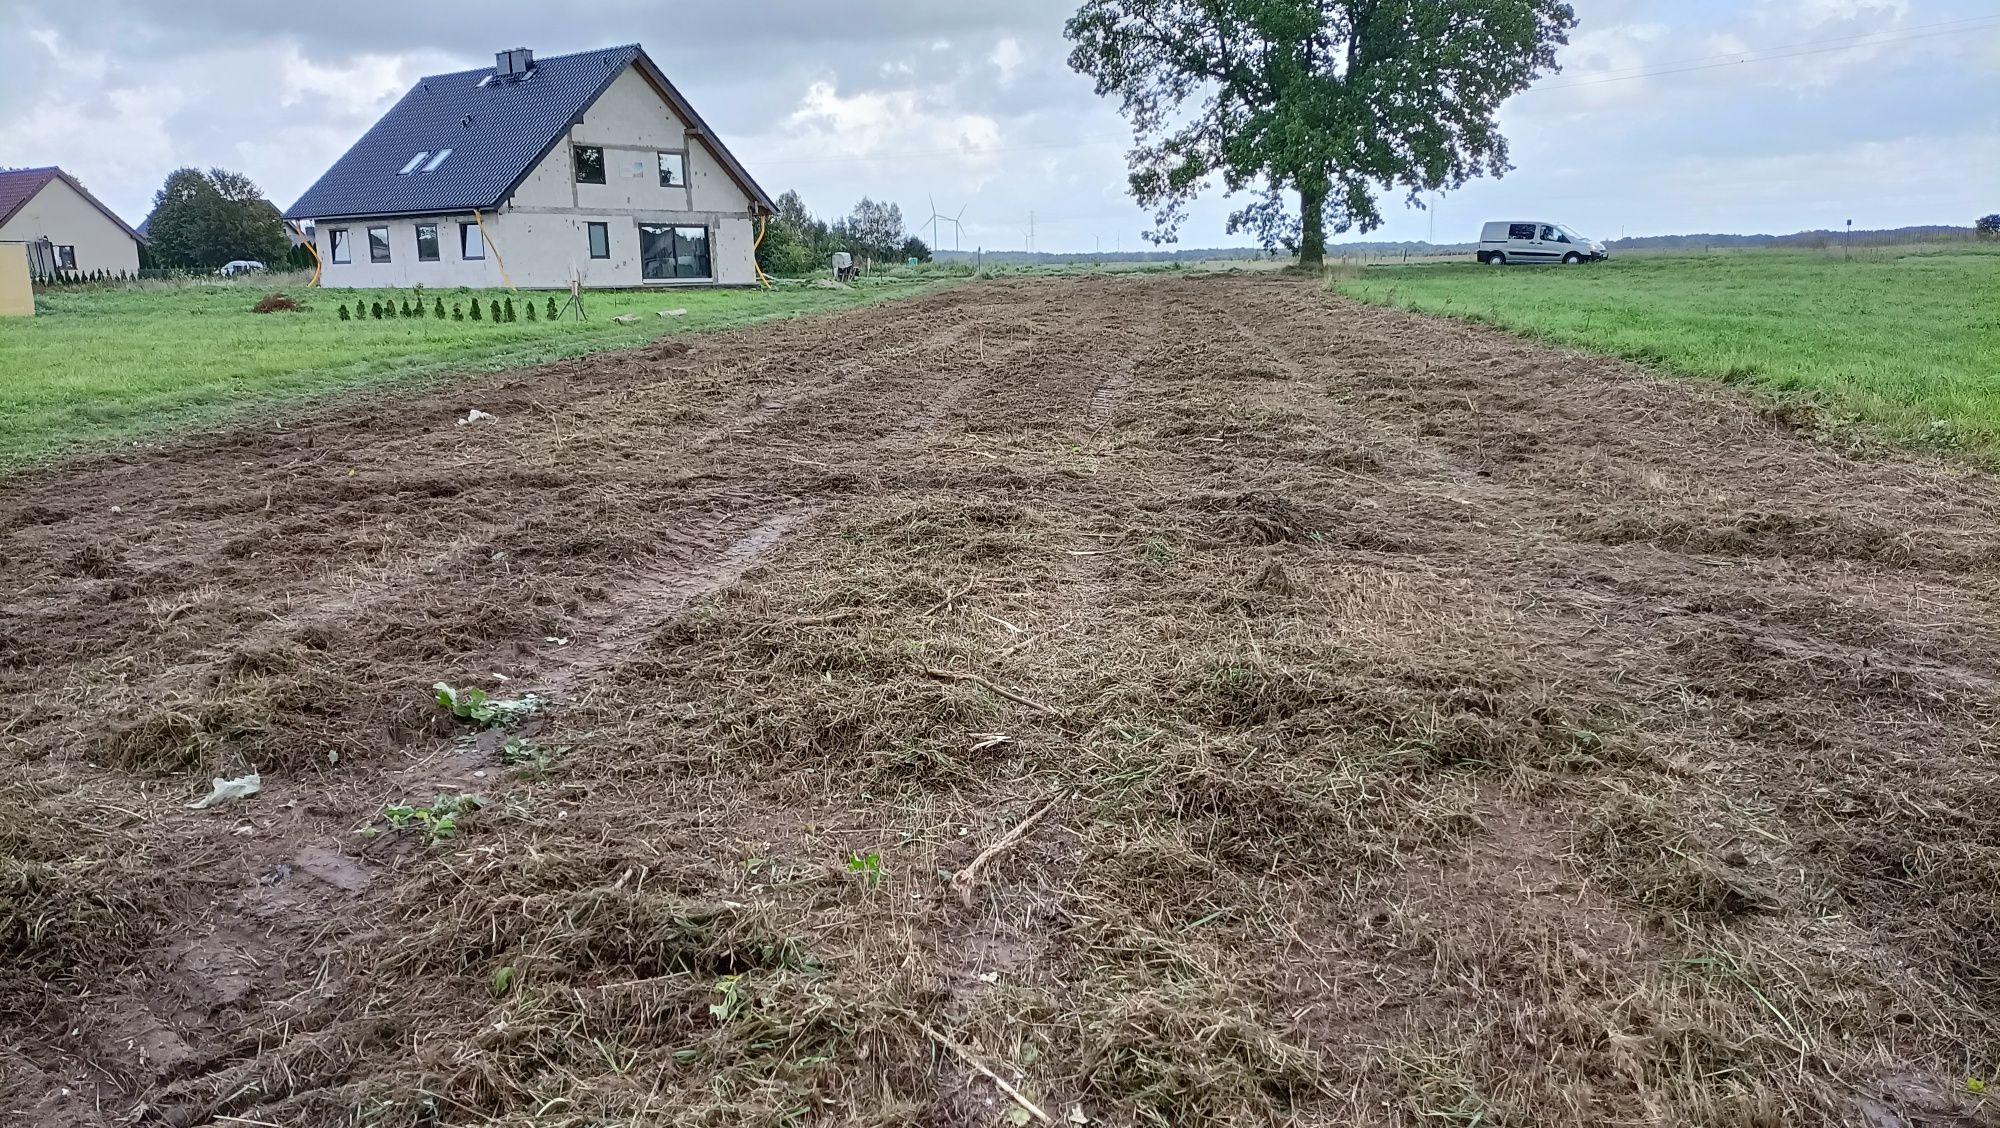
(957, 226)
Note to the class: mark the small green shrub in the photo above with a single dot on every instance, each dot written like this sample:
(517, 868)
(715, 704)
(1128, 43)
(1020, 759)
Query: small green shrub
(458, 311)
(375, 310)
(531, 310)
(553, 313)
(508, 309)
(344, 315)
(496, 313)
(440, 309)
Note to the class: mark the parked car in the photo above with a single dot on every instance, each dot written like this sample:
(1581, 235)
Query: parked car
(240, 266)
(1524, 240)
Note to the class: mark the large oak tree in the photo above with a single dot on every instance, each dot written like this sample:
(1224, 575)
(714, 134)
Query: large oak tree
(1331, 101)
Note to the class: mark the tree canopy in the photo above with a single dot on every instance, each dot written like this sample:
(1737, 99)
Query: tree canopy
(1988, 226)
(206, 219)
(1328, 100)
(797, 242)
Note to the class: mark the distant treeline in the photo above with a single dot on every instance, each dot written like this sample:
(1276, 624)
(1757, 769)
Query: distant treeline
(1802, 239)
(1806, 239)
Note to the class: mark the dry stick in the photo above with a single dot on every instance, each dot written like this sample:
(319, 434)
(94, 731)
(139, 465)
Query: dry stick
(965, 1055)
(965, 879)
(948, 675)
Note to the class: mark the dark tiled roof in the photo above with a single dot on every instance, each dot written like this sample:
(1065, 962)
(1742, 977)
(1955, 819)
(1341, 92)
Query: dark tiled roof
(19, 185)
(496, 132)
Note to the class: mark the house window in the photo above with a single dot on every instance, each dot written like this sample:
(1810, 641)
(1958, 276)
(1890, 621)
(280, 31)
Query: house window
(66, 258)
(414, 162)
(378, 244)
(337, 246)
(674, 252)
(673, 170)
(589, 164)
(437, 160)
(600, 240)
(471, 244)
(427, 242)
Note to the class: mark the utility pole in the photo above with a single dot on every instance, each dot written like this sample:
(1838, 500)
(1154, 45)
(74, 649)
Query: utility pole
(1847, 248)
(1031, 233)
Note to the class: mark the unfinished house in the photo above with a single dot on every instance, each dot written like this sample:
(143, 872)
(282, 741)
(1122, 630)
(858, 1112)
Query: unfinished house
(533, 172)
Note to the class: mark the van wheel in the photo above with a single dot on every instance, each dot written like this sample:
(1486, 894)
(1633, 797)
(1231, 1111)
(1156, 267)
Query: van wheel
(1572, 258)
(1496, 259)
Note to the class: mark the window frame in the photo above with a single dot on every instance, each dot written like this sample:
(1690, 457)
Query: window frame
(708, 251)
(437, 161)
(661, 156)
(373, 259)
(415, 162)
(339, 246)
(65, 256)
(592, 230)
(576, 153)
(473, 228)
(1514, 232)
(437, 248)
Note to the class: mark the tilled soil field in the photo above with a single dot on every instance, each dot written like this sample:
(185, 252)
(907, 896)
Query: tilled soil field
(1145, 700)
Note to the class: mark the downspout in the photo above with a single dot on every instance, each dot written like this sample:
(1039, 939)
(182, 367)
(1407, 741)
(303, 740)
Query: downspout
(494, 247)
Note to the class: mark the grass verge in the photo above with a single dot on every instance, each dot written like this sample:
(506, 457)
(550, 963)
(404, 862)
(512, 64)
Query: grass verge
(98, 367)
(1907, 344)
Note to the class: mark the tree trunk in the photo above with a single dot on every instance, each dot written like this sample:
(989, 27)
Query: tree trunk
(1312, 244)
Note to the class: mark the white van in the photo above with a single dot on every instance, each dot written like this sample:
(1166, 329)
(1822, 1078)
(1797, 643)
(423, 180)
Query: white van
(1536, 240)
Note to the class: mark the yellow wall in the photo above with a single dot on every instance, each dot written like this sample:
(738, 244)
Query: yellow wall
(64, 218)
(17, 294)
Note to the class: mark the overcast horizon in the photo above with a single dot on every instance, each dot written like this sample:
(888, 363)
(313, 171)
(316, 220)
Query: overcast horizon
(1767, 116)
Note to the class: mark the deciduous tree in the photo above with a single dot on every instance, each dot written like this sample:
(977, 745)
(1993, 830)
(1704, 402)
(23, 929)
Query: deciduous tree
(206, 219)
(1330, 101)
(1988, 226)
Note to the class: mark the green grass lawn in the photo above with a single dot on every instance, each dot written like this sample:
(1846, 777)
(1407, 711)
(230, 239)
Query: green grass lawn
(1908, 342)
(99, 366)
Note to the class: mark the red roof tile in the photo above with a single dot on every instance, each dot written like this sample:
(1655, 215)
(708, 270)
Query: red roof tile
(19, 185)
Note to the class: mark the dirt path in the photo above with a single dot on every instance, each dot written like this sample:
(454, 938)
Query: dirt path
(1440, 729)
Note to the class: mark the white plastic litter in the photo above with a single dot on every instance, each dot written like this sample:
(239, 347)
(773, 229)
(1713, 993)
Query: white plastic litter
(227, 789)
(673, 313)
(474, 416)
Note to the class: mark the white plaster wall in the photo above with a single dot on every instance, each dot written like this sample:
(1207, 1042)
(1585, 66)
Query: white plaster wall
(62, 216)
(540, 248)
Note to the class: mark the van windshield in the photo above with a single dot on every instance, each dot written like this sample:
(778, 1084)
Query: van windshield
(1573, 236)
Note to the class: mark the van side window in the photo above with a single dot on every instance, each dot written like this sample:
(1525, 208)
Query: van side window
(1522, 231)
(1551, 235)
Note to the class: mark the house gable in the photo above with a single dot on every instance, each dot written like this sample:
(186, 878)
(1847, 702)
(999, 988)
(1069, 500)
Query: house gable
(501, 132)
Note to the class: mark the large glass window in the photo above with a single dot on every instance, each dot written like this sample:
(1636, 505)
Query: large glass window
(378, 244)
(427, 242)
(589, 164)
(674, 252)
(673, 170)
(66, 257)
(338, 247)
(600, 240)
(471, 244)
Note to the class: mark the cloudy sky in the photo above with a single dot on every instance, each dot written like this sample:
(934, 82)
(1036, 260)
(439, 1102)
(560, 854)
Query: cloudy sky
(1670, 115)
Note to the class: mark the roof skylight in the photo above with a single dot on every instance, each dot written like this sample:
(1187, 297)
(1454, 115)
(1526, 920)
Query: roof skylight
(437, 160)
(414, 162)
